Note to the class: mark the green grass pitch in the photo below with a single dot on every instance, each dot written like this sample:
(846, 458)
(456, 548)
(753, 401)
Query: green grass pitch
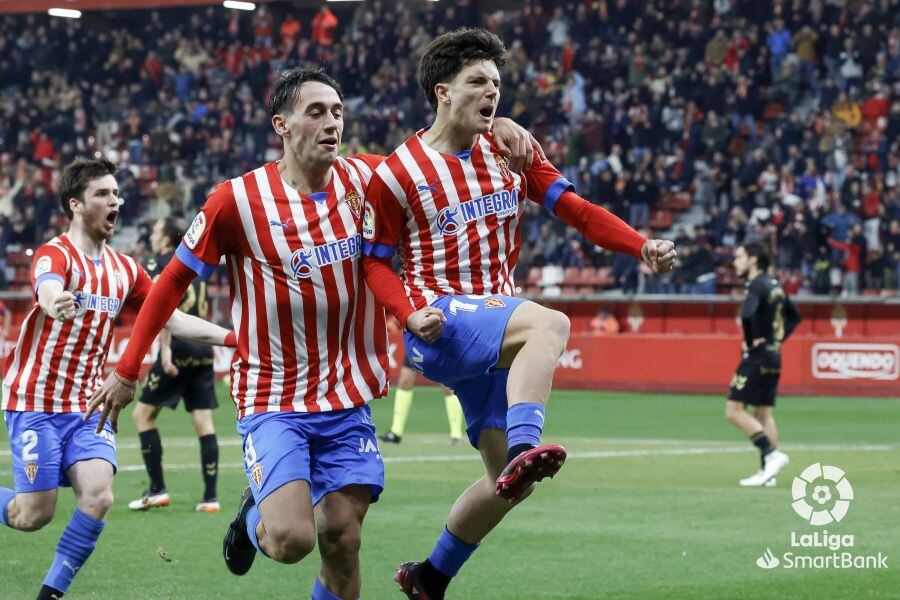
(646, 507)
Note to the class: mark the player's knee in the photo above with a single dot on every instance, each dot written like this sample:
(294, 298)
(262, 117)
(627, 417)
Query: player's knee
(554, 329)
(341, 544)
(97, 503)
(732, 412)
(290, 545)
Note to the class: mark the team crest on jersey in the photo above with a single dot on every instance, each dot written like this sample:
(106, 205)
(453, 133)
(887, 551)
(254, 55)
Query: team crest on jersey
(31, 470)
(494, 302)
(43, 266)
(257, 474)
(195, 231)
(368, 222)
(120, 280)
(353, 199)
(504, 168)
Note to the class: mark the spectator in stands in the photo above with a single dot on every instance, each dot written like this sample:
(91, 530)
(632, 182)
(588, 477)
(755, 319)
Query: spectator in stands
(605, 323)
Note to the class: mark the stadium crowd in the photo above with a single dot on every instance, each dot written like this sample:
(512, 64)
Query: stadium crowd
(725, 120)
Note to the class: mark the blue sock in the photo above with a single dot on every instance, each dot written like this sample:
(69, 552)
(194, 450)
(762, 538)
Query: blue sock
(524, 424)
(450, 553)
(253, 519)
(74, 547)
(320, 592)
(6, 496)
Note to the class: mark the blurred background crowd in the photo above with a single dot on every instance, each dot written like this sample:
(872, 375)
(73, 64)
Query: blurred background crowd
(714, 122)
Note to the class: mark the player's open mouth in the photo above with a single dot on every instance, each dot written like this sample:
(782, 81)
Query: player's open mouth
(111, 218)
(487, 112)
(330, 143)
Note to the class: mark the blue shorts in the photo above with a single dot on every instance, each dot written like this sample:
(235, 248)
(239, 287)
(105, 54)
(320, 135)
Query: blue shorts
(464, 358)
(329, 450)
(471, 342)
(45, 445)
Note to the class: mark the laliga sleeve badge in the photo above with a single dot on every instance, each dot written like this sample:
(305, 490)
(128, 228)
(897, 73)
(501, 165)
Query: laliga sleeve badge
(257, 474)
(31, 470)
(368, 222)
(195, 231)
(43, 266)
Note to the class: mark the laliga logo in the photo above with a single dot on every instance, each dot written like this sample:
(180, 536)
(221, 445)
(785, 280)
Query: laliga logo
(830, 485)
(301, 265)
(446, 221)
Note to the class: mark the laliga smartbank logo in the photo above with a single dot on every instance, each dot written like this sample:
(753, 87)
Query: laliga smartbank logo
(821, 496)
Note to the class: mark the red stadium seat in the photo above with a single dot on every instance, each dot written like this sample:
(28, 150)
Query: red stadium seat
(572, 276)
(660, 218)
(534, 276)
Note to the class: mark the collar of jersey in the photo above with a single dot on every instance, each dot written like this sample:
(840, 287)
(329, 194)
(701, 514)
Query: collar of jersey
(462, 155)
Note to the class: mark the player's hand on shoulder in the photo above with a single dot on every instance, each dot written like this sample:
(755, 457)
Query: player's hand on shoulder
(515, 143)
(64, 307)
(659, 255)
(427, 323)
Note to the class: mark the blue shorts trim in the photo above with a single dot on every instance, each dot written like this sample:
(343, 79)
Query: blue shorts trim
(45, 445)
(471, 342)
(329, 450)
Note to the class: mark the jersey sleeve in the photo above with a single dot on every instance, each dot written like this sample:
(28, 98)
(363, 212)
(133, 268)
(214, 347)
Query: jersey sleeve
(382, 219)
(369, 160)
(49, 263)
(213, 233)
(545, 184)
(140, 290)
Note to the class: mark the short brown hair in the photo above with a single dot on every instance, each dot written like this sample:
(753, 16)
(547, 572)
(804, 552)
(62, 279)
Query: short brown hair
(77, 175)
(449, 53)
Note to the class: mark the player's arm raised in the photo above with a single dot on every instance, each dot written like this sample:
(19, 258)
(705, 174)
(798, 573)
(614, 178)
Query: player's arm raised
(547, 186)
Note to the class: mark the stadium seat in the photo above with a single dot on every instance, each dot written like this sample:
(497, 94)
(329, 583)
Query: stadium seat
(660, 218)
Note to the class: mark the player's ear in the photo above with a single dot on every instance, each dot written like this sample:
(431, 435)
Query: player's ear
(442, 93)
(280, 126)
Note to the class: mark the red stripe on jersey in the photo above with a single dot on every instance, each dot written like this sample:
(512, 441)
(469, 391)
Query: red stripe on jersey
(486, 184)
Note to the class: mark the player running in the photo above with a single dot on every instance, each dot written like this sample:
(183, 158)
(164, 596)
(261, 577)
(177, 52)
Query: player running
(449, 204)
(312, 341)
(768, 317)
(81, 286)
(184, 370)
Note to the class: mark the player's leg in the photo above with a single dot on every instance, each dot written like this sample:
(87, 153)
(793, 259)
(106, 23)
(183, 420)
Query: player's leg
(275, 514)
(347, 476)
(144, 417)
(89, 460)
(454, 415)
(160, 391)
(483, 334)
(200, 400)
(339, 516)
(479, 509)
(403, 398)
(36, 453)
(766, 417)
(202, 418)
(474, 514)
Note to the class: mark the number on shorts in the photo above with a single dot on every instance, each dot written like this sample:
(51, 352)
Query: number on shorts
(30, 439)
(249, 452)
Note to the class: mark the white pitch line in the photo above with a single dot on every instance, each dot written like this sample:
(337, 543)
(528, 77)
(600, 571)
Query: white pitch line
(183, 442)
(576, 455)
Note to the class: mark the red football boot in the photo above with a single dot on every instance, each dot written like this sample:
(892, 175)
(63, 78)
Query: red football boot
(529, 467)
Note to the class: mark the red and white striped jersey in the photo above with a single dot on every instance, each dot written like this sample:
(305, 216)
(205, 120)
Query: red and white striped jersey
(310, 336)
(56, 366)
(453, 217)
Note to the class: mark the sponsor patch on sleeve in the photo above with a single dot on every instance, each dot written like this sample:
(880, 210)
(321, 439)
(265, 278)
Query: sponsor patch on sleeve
(195, 231)
(43, 266)
(368, 222)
